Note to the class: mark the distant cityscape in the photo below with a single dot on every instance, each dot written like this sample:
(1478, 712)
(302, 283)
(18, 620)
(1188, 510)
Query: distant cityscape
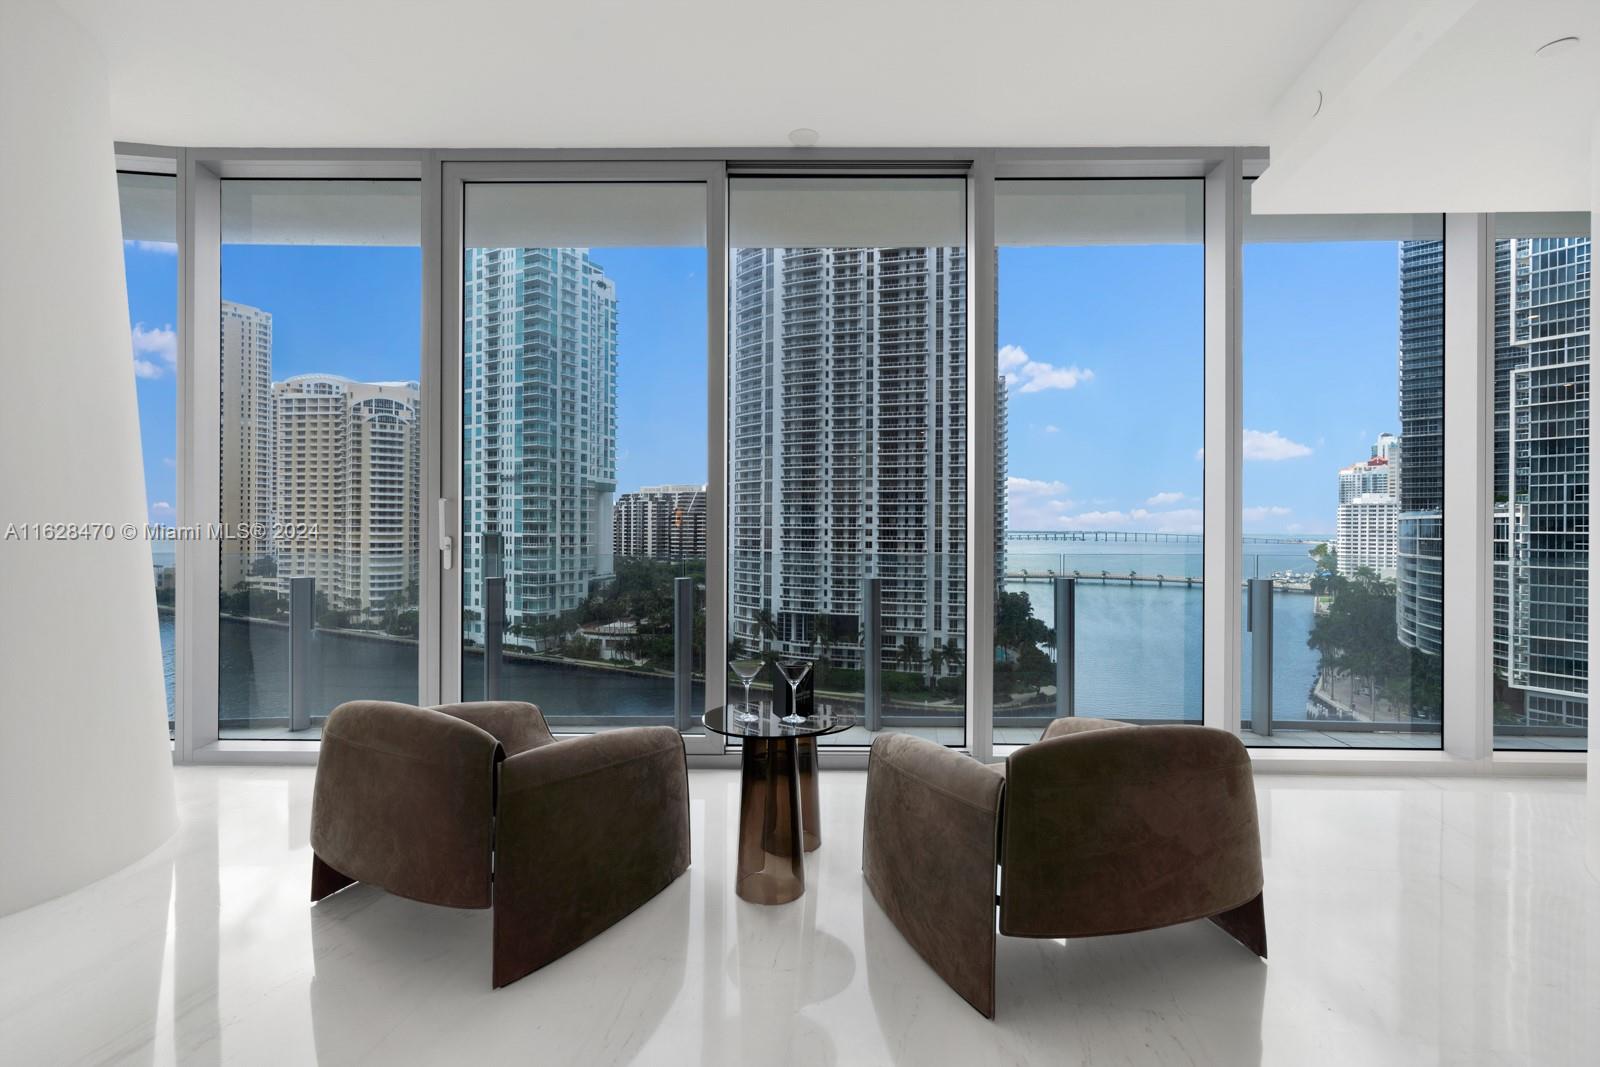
(848, 421)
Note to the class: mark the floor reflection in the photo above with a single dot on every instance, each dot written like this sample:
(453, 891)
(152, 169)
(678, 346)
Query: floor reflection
(783, 967)
(426, 970)
(1444, 921)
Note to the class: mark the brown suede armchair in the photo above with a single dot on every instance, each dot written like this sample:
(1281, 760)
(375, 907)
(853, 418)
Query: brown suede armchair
(1097, 828)
(477, 806)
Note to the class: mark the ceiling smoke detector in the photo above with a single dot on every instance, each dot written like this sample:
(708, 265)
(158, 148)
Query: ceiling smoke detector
(804, 137)
(1558, 47)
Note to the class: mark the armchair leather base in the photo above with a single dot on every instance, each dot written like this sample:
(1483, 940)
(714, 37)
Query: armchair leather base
(1247, 924)
(325, 881)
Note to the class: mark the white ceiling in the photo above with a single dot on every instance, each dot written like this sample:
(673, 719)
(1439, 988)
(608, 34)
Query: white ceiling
(1425, 105)
(1441, 105)
(629, 73)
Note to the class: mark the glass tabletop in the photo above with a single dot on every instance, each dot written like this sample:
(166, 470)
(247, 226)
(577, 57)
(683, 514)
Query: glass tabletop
(767, 724)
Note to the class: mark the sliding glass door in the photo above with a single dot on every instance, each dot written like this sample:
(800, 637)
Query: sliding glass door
(1101, 360)
(847, 434)
(320, 421)
(1344, 481)
(583, 454)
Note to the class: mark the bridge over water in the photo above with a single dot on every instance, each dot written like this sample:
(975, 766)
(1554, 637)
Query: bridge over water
(1146, 537)
(1188, 581)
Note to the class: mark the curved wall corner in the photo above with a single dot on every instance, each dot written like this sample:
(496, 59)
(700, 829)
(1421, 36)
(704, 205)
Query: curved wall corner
(86, 783)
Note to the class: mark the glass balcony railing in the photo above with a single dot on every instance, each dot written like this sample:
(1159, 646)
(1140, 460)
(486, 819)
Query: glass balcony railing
(1324, 660)
(1107, 628)
(294, 646)
(631, 652)
(885, 634)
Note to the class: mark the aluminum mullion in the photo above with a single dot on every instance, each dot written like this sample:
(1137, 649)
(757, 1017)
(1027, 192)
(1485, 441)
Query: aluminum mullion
(981, 477)
(1224, 411)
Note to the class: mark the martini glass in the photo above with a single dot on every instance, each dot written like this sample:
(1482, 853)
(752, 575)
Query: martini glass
(746, 669)
(794, 672)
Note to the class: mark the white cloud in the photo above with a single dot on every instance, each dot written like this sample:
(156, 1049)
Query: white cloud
(1178, 520)
(165, 248)
(154, 348)
(1272, 445)
(1028, 375)
(1035, 504)
(169, 461)
(1024, 486)
(1269, 511)
(160, 509)
(1266, 445)
(1052, 429)
(1161, 500)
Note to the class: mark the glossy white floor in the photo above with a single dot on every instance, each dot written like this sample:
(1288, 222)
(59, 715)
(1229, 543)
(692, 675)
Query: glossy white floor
(1411, 922)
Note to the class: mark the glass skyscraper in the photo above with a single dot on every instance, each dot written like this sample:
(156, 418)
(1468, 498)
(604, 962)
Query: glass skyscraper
(1541, 471)
(1419, 560)
(1542, 480)
(539, 441)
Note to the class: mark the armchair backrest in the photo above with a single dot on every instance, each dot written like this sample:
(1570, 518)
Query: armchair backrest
(404, 800)
(1112, 830)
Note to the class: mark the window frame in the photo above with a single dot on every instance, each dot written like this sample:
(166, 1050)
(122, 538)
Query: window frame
(1468, 727)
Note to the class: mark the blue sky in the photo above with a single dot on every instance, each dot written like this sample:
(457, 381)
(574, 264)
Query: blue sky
(1109, 435)
(1103, 347)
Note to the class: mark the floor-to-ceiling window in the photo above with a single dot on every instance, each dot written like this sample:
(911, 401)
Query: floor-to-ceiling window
(1541, 480)
(584, 513)
(847, 445)
(150, 257)
(320, 450)
(1099, 426)
(1343, 480)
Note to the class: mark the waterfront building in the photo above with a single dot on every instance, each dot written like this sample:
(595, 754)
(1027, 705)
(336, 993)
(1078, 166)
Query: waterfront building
(665, 522)
(847, 427)
(246, 429)
(539, 396)
(347, 476)
(1368, 516)
(1368, 525)
(1379, 473)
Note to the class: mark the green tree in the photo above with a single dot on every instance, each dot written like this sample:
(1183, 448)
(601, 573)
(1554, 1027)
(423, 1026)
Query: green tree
(909, 655)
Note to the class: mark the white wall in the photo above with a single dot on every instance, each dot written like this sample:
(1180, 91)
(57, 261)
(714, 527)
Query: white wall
(85, 771)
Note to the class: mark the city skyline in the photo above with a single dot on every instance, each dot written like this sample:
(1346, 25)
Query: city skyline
(378, 335)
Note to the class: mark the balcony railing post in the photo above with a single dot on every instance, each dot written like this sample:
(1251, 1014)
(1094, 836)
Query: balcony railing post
(683, 651)
(1066, 590)
(302, 652)
(1259, 623)
(872, 653)
(494, 633)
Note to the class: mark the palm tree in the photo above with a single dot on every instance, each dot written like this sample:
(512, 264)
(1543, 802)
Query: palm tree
(954, 657)
(935, 660)
(910, 654)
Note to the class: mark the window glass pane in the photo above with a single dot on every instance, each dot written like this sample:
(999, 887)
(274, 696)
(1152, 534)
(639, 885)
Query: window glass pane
(320, 453)
(583, 379)
(150, 257)
(847, 447)
(1343, 480)
(1101, 359)
(1541, 481)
